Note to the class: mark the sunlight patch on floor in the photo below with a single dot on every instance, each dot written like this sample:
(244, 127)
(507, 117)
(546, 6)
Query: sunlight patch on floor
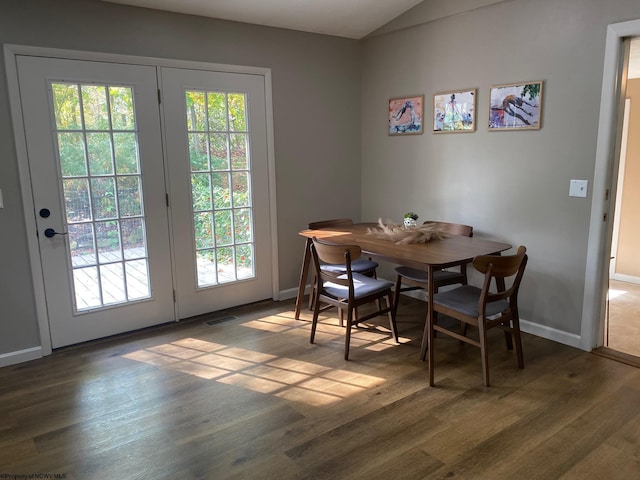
(286, 378)
(368, 335)
(613, 293)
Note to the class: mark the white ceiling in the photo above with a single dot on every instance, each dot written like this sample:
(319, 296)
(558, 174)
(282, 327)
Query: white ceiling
(343, 18)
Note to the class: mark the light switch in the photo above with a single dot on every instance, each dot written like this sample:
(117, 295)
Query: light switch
(578, 188)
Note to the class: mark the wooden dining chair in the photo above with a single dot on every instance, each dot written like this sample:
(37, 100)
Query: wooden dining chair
(361, 265)
(483, 307)
(416, 279)
(349, 290)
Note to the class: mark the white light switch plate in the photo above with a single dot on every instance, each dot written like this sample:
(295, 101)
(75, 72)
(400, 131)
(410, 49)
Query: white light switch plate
(578, 188)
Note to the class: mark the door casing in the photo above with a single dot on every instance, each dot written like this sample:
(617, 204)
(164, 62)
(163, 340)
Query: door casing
(604, 179)
(11, 53)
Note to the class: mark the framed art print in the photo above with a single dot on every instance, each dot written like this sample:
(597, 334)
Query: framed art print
(454, 111)
(517, 106)
(406, 115)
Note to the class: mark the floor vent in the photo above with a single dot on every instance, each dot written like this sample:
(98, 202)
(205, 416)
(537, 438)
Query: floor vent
(216, 321)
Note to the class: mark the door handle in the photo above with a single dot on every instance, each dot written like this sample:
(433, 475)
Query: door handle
(50, 233)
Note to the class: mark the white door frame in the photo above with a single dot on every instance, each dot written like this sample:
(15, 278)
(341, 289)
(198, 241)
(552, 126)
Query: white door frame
(600, 232)
(10, 54)
(619, 192)
(193, 298)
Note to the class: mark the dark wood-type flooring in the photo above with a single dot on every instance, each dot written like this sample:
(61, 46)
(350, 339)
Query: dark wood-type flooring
(249, 398)
(624, 317)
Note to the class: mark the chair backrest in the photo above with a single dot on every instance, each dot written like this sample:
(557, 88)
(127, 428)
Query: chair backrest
(499, 267)
(333, 254)
(336, 222)
(452, 228)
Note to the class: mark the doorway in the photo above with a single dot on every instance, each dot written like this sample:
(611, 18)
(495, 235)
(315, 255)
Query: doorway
(622, 330)
(150, 188)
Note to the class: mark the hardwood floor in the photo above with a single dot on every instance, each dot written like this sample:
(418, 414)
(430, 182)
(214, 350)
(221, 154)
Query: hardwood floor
(624, 318)
(249, 398)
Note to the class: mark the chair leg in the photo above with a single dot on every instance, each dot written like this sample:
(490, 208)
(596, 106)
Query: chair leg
(314, 322)
(429, 331)
(392, 317)
(508, 336)
(396, 295)
(347, 334)
(517, 338)
(483, 350)
(463, 330)
(374, 274)
(312, 291)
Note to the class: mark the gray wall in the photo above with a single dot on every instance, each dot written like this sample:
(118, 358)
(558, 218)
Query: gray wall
(316, 103)
(330, 100)
(512, 186)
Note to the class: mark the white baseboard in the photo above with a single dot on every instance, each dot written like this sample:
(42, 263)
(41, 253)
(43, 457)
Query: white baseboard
(626, 278)
(550, 333)
(292, 293)
(560, 336)
(20, 356)
(526, 326)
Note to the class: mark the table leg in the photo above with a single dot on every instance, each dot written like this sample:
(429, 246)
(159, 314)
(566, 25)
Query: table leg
(425, 335)
(306, 260)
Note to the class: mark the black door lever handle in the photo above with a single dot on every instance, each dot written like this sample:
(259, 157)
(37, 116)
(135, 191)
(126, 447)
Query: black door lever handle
(50, 233)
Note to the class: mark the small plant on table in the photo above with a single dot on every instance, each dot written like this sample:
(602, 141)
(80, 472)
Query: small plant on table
(410, 219)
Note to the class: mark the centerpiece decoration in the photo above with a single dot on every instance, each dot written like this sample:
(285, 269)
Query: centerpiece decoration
(401, 235)
(410, 219)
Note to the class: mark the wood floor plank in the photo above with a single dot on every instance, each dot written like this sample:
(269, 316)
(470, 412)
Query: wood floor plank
(574, 442)
(604, 462)
(248, 396)
(566, 403)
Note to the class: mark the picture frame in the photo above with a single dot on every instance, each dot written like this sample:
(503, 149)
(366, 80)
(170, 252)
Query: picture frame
(515, 106)
(406, 115)
(455, 111)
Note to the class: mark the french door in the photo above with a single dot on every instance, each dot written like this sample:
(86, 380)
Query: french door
(216, 142)
(112, 258)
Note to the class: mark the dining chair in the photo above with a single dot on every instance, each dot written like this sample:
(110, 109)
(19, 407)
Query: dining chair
(349, 290)
(417, 279)
(483, 307)
(361, 265)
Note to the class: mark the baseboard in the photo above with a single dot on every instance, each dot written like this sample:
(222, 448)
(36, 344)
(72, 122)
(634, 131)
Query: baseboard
(20, 356)
(536, 329)
(550, 333)
(291, 293)
(626, 278)
(560, 336)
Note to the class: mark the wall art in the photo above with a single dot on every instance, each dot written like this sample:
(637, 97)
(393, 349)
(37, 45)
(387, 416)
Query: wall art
(406, 115)
(454, 111)
(517, 106)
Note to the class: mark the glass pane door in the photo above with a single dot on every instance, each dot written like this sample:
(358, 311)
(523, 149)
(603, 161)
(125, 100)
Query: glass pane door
(97, 146)
(109, 194)
(94, 144)
(219, 188)
(221, 202)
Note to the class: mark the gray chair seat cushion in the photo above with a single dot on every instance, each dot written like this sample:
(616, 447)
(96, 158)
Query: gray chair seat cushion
(360, 265)
(362, 285)
(421, 275)
(465, 300)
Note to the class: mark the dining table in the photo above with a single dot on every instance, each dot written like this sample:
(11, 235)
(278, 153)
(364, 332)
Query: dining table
(450, 251)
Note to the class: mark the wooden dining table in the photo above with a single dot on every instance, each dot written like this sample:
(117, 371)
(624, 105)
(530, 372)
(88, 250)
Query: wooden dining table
(435, 254)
